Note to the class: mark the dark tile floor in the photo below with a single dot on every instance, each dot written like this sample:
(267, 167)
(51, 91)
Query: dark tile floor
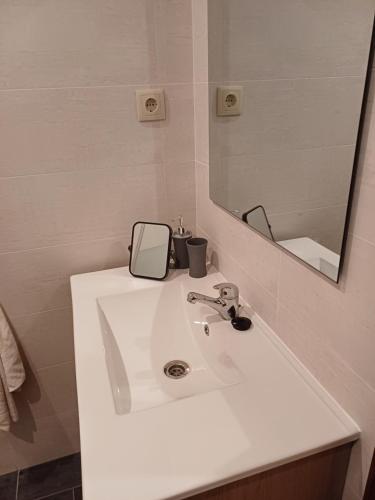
(8, 486)
(56, 480)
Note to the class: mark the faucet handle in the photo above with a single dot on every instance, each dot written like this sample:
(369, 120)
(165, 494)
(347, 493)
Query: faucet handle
(227, 290)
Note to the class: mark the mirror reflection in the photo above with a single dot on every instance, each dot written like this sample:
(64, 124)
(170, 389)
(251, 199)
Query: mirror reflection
(150, 249)
(257, 218)
(287, 83)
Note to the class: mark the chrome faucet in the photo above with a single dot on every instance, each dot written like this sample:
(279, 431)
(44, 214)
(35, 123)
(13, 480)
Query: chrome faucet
(226, 304)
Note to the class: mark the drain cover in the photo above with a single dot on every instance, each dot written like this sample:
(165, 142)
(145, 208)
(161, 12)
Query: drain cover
(176, 369)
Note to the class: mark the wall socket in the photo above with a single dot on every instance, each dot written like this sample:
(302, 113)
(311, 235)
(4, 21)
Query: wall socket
(229, 101)
(150, 105)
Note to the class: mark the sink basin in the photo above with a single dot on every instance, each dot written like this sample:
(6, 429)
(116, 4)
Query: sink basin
(145, 329)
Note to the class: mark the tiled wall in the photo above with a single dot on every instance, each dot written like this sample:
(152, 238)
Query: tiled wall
(302, 89)
(330, 328)
(76, 170)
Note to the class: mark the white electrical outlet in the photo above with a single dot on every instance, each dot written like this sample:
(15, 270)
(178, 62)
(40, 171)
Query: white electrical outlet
(229, 101)
(150, 105)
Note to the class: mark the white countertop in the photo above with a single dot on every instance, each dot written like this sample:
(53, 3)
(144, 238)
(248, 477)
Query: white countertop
(279, 413)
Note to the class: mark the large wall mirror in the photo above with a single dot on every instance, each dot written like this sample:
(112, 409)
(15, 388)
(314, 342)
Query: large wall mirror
(287, 82)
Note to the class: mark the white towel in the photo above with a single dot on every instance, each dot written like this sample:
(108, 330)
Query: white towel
(12, 374)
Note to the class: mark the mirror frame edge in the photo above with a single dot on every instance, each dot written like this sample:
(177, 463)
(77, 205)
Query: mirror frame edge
(168, 254)
(358, 151)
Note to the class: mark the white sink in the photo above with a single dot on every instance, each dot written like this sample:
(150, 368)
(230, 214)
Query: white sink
(244, 407)
(145, 329)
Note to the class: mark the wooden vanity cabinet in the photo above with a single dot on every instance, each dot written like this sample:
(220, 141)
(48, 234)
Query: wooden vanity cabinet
(318, 477)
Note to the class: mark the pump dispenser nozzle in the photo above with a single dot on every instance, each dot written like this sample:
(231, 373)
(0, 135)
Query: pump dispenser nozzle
(180, 237)
(180, 227)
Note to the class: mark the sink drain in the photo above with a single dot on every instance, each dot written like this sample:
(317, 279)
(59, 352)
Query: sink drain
(176, 369)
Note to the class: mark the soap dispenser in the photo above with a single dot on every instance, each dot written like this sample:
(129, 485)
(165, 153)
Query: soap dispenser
(180, 237)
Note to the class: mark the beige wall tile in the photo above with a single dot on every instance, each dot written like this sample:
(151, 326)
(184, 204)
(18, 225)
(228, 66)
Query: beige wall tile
(48, 425)
(8, 458)
(359, 282)
(365, 205)
(180, 193)
(174, 43)
(201, 123)
(330, 313)
(46, 338)
(47, 392)
(364, 199)
(108, 44)
(40, 440)
(178, 139)
(200, 40)
(70, 207)
(44, 131)
(38, 280)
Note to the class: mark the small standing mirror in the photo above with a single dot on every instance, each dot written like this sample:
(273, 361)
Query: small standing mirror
(150, 250)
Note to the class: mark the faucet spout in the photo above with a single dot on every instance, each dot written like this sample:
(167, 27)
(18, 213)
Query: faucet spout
(226, 304)
(194, 297)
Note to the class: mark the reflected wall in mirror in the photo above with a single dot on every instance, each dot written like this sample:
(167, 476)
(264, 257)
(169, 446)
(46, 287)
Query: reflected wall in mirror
(150, 250)
(291, 76)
